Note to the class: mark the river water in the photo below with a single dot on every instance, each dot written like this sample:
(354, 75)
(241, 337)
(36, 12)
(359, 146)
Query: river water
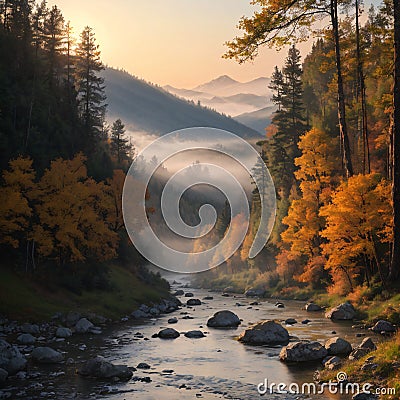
(216, 366)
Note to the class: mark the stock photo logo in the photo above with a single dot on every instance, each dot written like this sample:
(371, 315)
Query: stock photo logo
(209, 166)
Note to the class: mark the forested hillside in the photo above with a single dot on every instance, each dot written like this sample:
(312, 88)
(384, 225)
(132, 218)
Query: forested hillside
(330, 152)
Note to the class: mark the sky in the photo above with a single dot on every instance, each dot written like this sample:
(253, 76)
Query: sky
(175, 42)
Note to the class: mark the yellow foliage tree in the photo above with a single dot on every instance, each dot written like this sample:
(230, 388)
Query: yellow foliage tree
(15, 210)
(72, 210)
(316, 172)
(357, 221)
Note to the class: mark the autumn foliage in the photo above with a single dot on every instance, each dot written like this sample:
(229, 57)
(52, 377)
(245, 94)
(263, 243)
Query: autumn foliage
(67, 215)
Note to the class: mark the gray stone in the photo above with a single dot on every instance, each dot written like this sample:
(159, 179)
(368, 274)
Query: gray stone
(194, 334)
(100, 368)
(344, 311)
(290, 321)
(369, 366)
(179, 292)
(254, 292)
(337, 345)
(311, 307)
(144, 308)
(83, 325)
(3, 375)
(332, 363)
(72, 318)
(62, 332)
(173, 320)
(189, 294)
(358, 353)
(228, 289)
(139, 314)
(154, 311)
(193, 302)
(265, 333)
(143, 365)
(26, 338)
(11, 359)
(279, 305)
(168, 333)
(46, 355)
(383, 326)
(367, 344)
(224, 319)
(33, 329)
(303, 351)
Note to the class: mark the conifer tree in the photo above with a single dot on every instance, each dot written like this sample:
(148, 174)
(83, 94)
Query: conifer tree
(120, 145)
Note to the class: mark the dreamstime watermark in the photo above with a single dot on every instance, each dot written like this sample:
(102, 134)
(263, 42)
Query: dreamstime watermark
(341, 386)
(223, 155)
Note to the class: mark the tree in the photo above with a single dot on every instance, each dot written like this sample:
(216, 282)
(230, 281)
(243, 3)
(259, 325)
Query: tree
(276, 85)
(282, 22)
(90, 86)
(120, 145)
(395, 262)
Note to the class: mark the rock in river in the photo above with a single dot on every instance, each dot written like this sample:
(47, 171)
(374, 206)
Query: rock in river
(265, 332)
(168, 333)
(46, 355)
(194, 334)
(344, 311)
(253, 292)
(224, 319)
(193, 302)
(11, 359)
(311, 307)
(337, 345)
(303, 351)
(26, 338)
(100, 368)
(173, 320)
(33, 329)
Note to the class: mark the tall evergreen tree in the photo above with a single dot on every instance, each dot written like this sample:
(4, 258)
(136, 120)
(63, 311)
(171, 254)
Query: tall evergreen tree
(90, 86)
(120, 145)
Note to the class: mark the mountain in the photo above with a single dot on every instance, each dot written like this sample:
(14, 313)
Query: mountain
(258, 120)
(229, 96)
(144, 107)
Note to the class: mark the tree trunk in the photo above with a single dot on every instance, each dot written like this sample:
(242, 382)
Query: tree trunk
(395, 262)
(344, 138)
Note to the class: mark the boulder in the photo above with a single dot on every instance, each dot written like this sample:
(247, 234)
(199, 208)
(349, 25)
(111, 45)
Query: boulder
(358, 353)
(367, 344)
(193, 302)
(64, 333)
(72, 318)
(311, 307)
(3, 375)
(179, 292)
(139, 314)
(290, 321)
(208, 298)
(332, 363)
(100, 368)
(194, 334)
(143, 365)
(383, 327)
(254, 292)
(303, 351)
(337, 345)
(224, 319)
(173, 320)
(11, 359)
(228, 289)
(189, 294)
(154, 311)
(168, 333)
(279, 305)
(83, 325)
(33, 329)
(265, 333)
(344, 311)
(145, 308)
(26, 338)
(305, 321)
(46, 355)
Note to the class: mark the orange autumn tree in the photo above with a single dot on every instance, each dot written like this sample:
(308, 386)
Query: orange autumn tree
(358, 222)
(72, 212)
(15, 209)
(302, 240)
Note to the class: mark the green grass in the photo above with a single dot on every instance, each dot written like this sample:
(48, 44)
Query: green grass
(23, 298)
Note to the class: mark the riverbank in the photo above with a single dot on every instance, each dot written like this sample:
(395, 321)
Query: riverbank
(24, 298)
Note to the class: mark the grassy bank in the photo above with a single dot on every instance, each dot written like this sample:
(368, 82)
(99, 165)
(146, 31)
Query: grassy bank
(23, 297)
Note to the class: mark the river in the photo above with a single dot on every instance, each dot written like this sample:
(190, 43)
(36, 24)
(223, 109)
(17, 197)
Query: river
(216, 366)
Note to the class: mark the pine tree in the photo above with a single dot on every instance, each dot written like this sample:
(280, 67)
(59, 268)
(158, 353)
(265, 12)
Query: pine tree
(276, 86)
(90, 86)
(120, 145)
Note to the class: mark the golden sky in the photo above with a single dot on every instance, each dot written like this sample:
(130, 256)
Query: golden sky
(176, 42)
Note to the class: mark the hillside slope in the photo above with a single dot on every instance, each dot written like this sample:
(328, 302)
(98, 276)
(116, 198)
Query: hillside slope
(145, 107)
